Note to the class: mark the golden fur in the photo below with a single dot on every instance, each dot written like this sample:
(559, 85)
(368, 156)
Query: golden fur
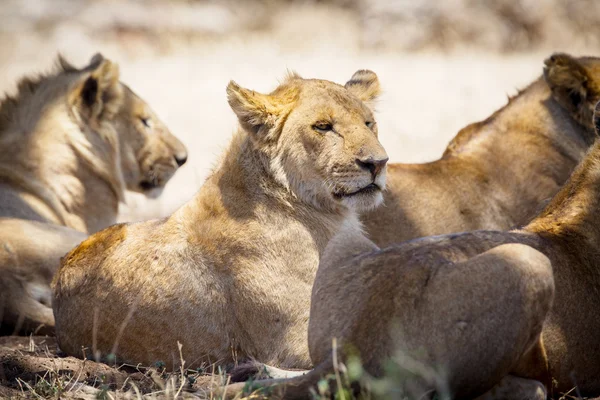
(72, 141)
(465, 317)
(498, 173)
(230, 273)
(475, 302)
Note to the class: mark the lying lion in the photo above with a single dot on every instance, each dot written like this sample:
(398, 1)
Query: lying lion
(229, 275)
(498, 173)
(473, 303)
(71, 142)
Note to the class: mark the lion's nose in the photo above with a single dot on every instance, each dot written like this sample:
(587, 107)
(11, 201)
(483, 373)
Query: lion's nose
(181, 159)
(372, 165)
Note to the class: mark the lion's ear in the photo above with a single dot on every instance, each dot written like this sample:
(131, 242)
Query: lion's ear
(569, 82)
(254, 110)
(99, 94)
(96, 59)
(364, 84)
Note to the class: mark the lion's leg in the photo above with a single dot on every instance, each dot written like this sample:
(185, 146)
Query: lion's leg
(30, 254)
(483, 316)
(21, 310)
(515, 388)
(257, 370)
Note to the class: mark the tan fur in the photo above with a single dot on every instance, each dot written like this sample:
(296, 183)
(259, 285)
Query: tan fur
(474, 301)
(498, 173)
(446, 309)
(72, 141)
(229, 274)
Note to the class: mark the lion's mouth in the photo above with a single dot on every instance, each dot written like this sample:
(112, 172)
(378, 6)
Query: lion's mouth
(367, 190)
(148, 185)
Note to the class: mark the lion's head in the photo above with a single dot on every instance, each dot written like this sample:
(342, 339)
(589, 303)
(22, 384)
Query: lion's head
(320, 138)
(574, 84)
(149, 153)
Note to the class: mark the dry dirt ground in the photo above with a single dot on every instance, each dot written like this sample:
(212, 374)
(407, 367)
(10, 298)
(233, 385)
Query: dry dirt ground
(440, 67)
(32, 367)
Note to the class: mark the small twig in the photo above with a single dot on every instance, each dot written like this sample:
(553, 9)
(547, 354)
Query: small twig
(136, 390)
(123, 325)
(95, 351)
(31, 389)
(338, 379)
(576, 388)
(179, 345)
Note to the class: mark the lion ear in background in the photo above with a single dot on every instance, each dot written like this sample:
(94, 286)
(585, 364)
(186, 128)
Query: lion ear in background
(98, 95)
(364, 84)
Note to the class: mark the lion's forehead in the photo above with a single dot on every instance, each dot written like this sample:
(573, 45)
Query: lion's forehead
(317, 109)
(328, 94)
(133, 105)
(136, 108)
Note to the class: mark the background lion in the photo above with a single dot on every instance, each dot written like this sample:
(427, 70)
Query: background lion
(497, 173)
(72, 142)
(230, 273)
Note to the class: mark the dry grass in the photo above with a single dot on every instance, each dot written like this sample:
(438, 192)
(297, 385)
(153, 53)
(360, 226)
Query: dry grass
(33, 368)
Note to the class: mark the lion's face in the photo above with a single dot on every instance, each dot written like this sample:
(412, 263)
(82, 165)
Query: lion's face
(321, 138)
(150, 154)
(328, 148)
(575, 84)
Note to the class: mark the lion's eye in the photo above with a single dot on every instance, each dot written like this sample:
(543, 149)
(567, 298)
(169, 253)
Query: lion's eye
(146, 121)
(370, 124)
(322, 126)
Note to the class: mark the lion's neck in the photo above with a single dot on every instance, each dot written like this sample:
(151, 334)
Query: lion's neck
(531, 119)
(243, 188)
(89, 203)
(574, 213)
(54, 182)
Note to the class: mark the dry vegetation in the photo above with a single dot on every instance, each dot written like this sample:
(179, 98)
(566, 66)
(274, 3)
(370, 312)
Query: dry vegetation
(31, 367)
(442, 64)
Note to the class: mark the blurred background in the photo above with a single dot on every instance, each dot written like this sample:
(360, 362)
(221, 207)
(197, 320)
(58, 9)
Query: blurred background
(442, 64)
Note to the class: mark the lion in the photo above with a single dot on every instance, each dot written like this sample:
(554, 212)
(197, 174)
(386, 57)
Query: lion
(498, 173)
(228, 276)
(412, 304)
(514, 309)
(73, 141)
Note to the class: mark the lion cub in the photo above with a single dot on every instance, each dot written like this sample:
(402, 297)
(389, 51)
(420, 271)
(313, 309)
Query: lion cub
(71, 142)
(230, 273)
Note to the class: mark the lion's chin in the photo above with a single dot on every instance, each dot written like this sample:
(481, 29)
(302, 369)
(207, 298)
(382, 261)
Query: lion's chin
(370, 189)
(363, 200)
(151, 190)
